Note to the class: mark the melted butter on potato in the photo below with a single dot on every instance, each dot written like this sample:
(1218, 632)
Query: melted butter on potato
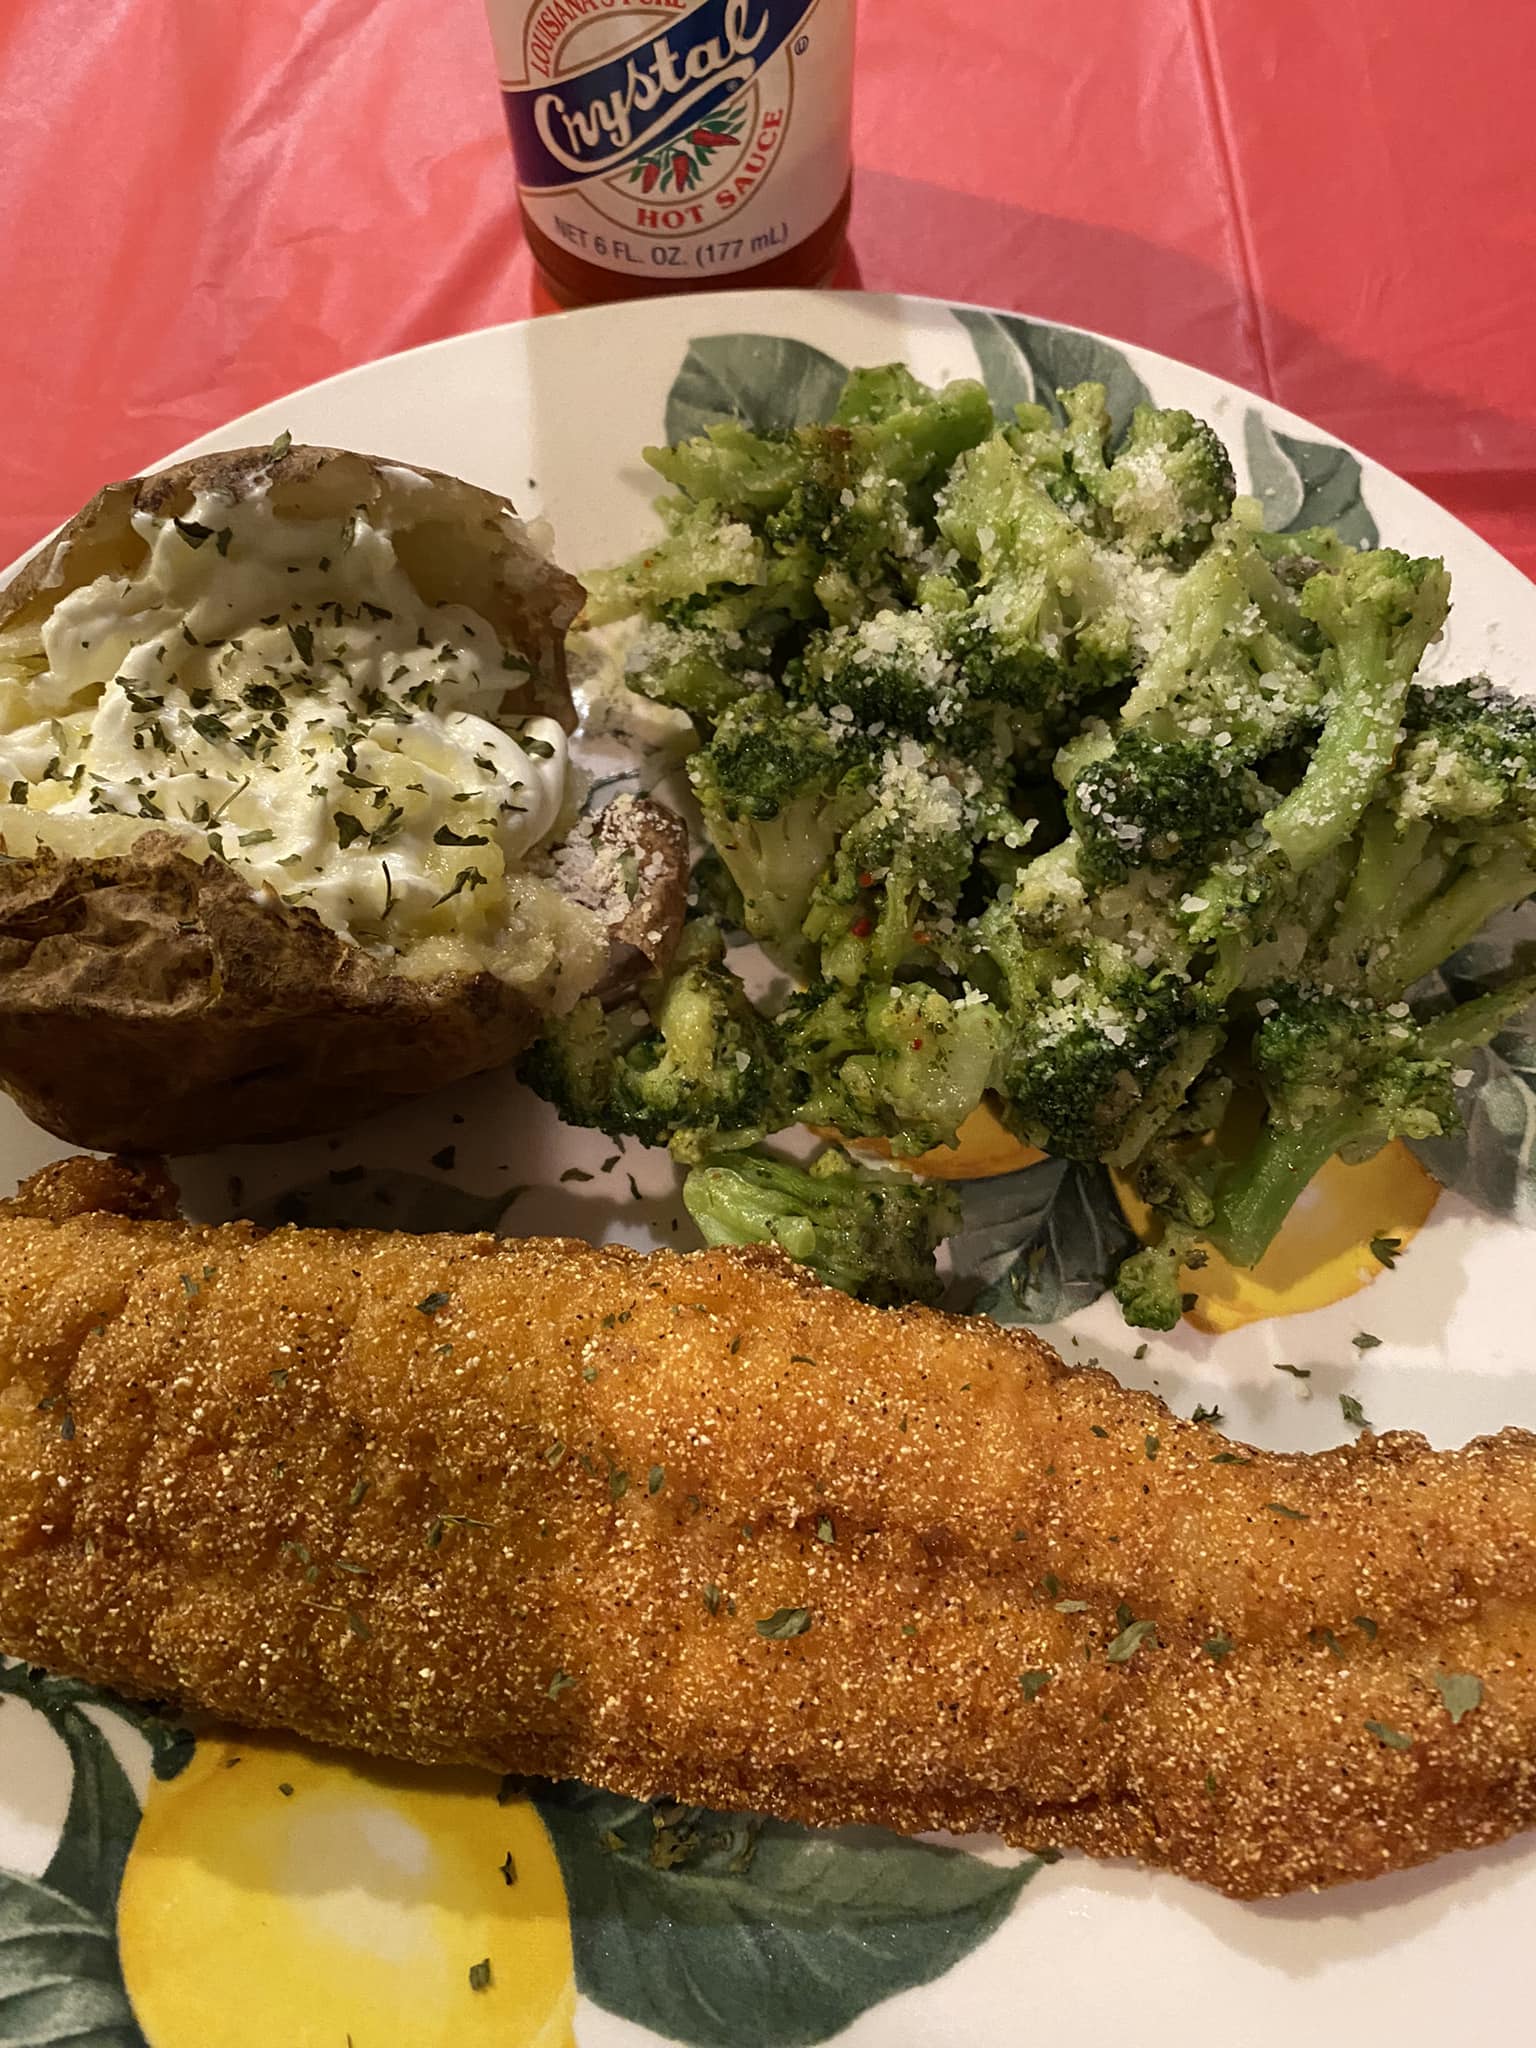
(275, 688)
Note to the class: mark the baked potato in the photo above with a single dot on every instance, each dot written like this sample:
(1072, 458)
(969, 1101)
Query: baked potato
(289, 826)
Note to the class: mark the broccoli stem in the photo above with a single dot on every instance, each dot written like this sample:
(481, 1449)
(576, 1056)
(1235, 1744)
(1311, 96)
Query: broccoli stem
(1191, 1054)
(763, 1206)
(1474, 1022)
(1260, 1191)
(1353, 753)
(1385, 858)
(1265, 1185)
(776, 864)
(1433, 932)
(870, 1234)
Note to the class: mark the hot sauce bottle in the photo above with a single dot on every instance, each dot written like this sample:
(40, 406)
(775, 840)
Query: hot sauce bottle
(678, 145)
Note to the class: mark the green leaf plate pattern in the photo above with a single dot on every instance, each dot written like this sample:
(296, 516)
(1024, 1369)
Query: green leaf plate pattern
(767, 380)
(1491, 1160)
(775, 1936)
(60, 1978)
(1037, 1245)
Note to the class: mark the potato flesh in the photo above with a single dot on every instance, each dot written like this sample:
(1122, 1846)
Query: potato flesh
(276, 688)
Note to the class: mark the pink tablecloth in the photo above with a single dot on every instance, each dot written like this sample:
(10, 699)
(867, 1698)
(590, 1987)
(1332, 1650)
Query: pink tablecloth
(204, 205)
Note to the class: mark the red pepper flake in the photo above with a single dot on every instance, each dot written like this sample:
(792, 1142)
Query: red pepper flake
(861, 928)
(866, 881)
(917, 1045)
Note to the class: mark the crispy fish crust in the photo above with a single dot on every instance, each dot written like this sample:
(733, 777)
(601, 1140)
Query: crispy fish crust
(697, 1525)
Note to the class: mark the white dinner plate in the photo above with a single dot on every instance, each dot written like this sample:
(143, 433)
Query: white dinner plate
(303, 1900)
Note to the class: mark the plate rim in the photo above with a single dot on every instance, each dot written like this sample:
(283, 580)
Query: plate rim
(218, 436)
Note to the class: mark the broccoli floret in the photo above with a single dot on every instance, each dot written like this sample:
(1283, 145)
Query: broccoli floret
(1343, 1075)
(1028, 641)
(861, 536)
(904, 1063)
(887, 676)
(1138, 801)
(743, 470)
(1167, 857)
(1095, 1071)
(849, 501)
(702, 548)
(1034, 436)
(1378, 613)
(777, 788)
(899, 869)
(784, 595)
(695, 668)
(905, 431)
(1054, 931)
(1169, 486)
(1469, 754)
(1237, 663)
(1448, 843)
(1105, 1041)
(1147, 1286)
(871, 1234)
(1335, 1072)
(1049, 905)
(1100, 1048)
(1046, 626)
(885, 422)
(694, 1068)
(573, 1065)
(706, 1073)
(865, 500)
(1252, 917)
(704, 652)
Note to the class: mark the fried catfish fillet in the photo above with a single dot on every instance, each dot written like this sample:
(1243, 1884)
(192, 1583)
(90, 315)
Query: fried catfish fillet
(696, 1525)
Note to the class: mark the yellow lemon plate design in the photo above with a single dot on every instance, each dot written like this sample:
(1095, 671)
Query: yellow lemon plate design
(279, 1897)
(1323, 1252)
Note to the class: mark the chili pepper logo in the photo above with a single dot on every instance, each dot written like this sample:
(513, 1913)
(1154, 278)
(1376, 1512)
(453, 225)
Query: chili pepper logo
(680, 164)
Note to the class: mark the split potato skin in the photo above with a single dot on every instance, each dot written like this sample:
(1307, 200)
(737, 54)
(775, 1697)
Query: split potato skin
(150, 1003)
(153, 1000)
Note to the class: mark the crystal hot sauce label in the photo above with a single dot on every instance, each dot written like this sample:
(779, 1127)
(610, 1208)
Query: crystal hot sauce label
(677, 137)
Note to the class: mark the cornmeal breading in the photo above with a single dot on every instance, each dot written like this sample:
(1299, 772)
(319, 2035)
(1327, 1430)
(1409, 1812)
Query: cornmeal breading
(695, 1525)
